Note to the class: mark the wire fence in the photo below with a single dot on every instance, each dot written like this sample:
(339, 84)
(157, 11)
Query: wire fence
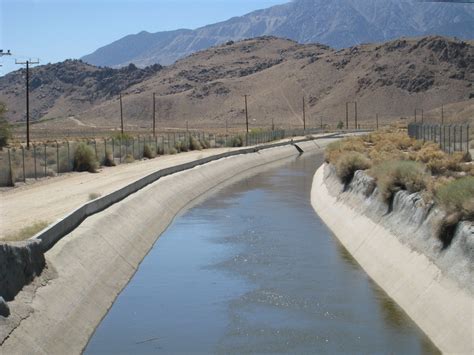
(451, 138)
(53, 158)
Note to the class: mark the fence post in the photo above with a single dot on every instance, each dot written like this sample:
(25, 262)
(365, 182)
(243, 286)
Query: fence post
(57, 157)
(449, 139)
(113, 149)
(120, 158)
(45, 161)
(68, 157)
(34, 158)
(95, 147)
(461, 148)
(10, 181)
(467, 139)
(23, 156)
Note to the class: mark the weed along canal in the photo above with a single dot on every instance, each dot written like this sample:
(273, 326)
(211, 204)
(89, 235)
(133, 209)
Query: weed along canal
(251, 268)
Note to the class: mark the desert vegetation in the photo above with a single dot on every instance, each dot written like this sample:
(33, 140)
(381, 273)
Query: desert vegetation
(27, 232)
(5, 129)
(398, 162)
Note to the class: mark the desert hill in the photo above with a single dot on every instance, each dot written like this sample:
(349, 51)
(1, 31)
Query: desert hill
(206, 89)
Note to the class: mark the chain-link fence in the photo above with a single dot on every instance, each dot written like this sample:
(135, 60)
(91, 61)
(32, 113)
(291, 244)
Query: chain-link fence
(57, 157)
(451, 138)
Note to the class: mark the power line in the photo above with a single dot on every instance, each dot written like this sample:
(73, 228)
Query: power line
(27, 63)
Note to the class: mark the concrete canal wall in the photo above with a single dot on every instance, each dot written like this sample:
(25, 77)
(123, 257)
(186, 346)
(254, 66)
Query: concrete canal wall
(400, 251)
(97, 249)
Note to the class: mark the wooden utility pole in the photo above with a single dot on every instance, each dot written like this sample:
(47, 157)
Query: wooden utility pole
(246, 121)
(121, 114)
(28, 62)
(154, 116)
(304, 116)
(377, 121)
(442, 114)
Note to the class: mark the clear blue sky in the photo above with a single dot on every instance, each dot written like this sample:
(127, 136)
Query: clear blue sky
(54, 30)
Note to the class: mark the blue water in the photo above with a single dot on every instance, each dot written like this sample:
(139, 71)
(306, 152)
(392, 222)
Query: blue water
(252, 269)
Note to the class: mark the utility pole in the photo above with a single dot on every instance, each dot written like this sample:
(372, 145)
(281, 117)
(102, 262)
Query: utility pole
(304, 116)
(273, 124)
(442, 114)
(246, 120)
(121, 115)
(377, 121)
(2, 53)
(28, 62)
(187, 127)
(154, 116)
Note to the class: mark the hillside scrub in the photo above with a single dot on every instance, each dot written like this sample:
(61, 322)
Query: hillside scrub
(348, 163)
(5, 129)
(398, 162)
(85, 159)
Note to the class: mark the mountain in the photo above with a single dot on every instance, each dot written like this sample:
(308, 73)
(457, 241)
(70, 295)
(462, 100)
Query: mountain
(337, 23)
(206, 88)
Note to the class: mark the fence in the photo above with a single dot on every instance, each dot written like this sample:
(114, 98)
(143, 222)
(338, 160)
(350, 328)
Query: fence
(451, 138)
(55, 157)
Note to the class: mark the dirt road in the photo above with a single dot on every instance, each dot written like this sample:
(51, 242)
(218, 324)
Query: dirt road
(53, 198)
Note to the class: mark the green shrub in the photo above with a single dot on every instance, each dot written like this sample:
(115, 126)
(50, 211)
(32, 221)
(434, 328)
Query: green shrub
(236, 141)
(340, 125)
(147, 152)
(5, 129)
(205, 143)
(348, 163)
(393, 176)
(172, 151)
(458, 196)
(85, 159)
(123, 137)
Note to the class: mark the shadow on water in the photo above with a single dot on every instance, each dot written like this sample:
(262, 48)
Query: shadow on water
(393, 315)
(253, 269)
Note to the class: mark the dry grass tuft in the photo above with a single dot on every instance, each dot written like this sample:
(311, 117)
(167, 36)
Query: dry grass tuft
(27, 232)
(457, 196)
(393, 176)
(348, 163)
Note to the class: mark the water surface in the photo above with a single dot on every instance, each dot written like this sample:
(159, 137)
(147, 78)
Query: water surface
(253, 269)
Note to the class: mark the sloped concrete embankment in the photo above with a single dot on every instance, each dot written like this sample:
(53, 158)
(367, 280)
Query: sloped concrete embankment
(95, 260)
(399, 248)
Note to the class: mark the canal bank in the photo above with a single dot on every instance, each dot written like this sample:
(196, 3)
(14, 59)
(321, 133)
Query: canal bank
(441, 305)
(252, 269)
(97, 259)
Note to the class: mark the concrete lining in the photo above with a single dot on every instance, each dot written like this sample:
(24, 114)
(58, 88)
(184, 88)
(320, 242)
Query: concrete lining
(440, 307)
(98, 257)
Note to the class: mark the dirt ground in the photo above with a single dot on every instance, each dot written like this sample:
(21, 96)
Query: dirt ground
(50, 199)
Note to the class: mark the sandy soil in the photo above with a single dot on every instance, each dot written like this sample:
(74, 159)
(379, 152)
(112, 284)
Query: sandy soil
(53, 198)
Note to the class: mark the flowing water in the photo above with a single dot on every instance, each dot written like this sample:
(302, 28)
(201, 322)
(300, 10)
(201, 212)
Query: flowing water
(253, 269)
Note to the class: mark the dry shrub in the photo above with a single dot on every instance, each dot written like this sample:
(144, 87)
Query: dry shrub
(85, 159)
(351, 144)
(393, 176)
(348, 163)
(27, 232)
(109, 159)
(457, 196)
(194, 144)
(129, 159)
(147, 152)
(439, 162)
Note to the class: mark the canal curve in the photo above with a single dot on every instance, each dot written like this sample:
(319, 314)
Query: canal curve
(251, 268)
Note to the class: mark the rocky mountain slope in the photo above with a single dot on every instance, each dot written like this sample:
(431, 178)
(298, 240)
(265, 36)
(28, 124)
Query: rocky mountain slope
(337, 23)
(206, 89)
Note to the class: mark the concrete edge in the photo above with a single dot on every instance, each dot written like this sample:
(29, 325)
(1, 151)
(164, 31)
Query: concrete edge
(98, 259)
(436, 304)
(52, 234)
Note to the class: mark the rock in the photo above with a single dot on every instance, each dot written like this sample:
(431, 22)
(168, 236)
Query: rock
(4, 309)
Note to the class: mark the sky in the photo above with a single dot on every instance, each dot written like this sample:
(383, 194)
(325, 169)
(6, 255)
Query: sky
(55, 30)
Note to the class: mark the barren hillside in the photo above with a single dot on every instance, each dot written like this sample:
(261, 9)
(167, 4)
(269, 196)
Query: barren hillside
(207, 88)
